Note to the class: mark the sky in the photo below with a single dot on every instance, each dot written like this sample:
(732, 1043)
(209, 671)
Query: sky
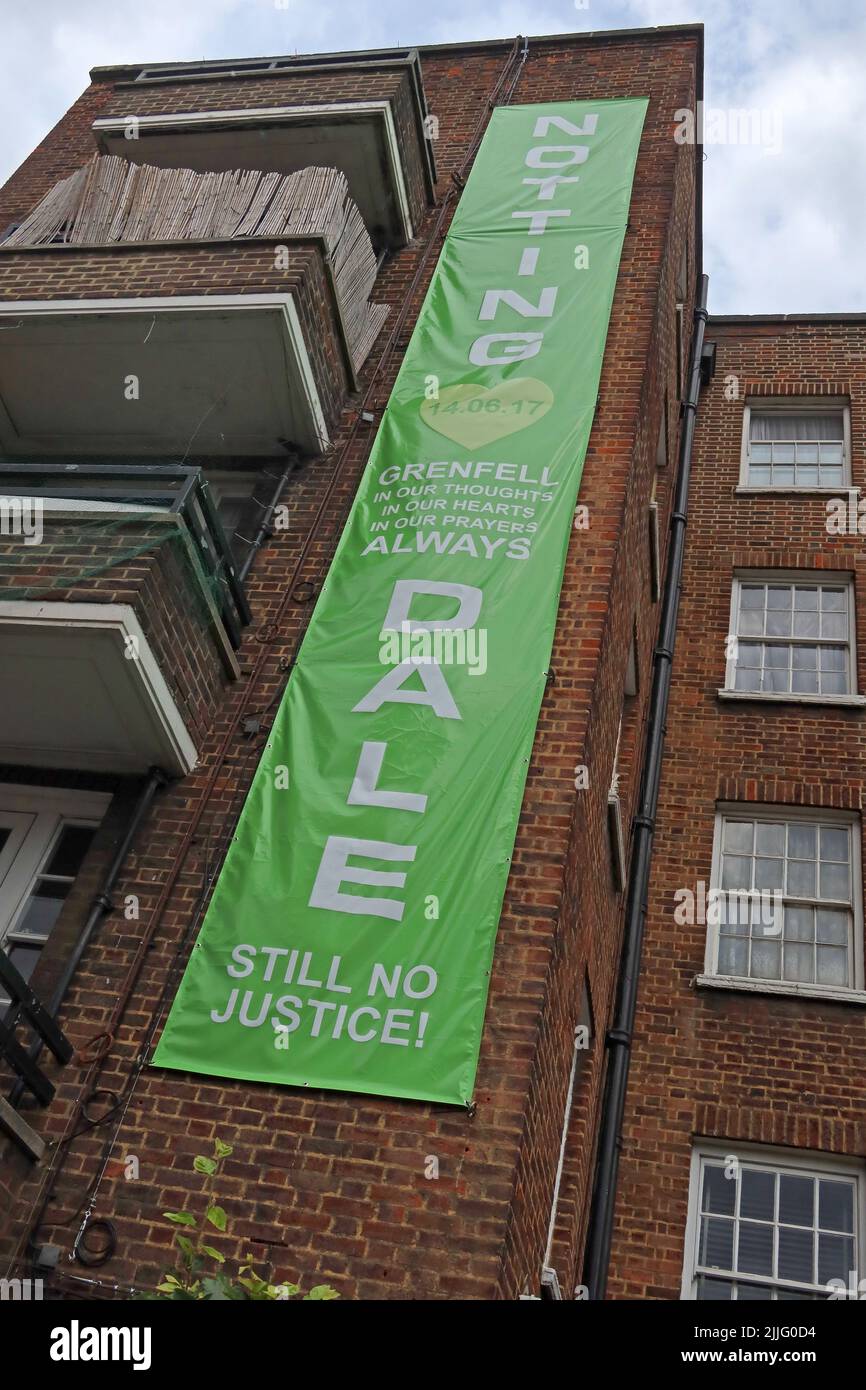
(784, 189)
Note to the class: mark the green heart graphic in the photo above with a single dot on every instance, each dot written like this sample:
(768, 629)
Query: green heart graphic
(474, 415)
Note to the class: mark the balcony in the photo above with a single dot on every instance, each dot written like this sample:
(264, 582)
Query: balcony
(363, 114)
(146, 375)
(120, 609)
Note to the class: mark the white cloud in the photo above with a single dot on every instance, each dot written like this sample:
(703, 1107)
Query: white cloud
(782, 231)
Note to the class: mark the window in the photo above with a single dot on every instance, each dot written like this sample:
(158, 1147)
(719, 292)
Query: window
(787, 906)
(615, 831)
(654, 548)
(807, 446)
(767, 1228)
(662, 441)
(794, 637)
(44, 835)
(236, 494)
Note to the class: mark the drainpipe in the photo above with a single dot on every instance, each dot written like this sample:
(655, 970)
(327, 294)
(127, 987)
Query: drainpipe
(267, 516)
(101, 905)
(619, 1038)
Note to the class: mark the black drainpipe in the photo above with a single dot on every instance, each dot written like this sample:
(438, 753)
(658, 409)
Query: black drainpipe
(267, 516)
(101, 905)
(619, 1037)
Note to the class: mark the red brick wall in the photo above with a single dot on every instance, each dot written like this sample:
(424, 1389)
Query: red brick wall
(742, 1067)
(333, 1186)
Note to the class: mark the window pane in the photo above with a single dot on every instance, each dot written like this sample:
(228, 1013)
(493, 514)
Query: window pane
(779, 596)
(769, 874)
(799, 924)
(806, 625)
(760, 477)
(753, 1293)
(747, 680)
(755, 1249)
(835, 1257)
(751, 622)
(758, 1194)
(769, 838)
(796, 1200)
(70, 850)
(24, 958)
(832, 966)
(801, 840)
(834, 625)
(714, 1290)
(717, 1243)
(834, 881)
(807, 453)
(766, 960)
(779, 623)
(796, 1254)
(804, 658)
(43, 909)
(805, 683)
(801, 878)
(835, 1205)
(738, 836)
(733, 956)
(832, 927)
(736, 872)
(834, 844)
(720, 1192)
(752, 595)
(799, 963)
(834, 600)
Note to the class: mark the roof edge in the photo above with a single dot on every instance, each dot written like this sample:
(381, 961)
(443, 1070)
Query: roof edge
(574, 37)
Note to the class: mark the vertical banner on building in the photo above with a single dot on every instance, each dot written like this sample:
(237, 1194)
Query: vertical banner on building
(349, 940)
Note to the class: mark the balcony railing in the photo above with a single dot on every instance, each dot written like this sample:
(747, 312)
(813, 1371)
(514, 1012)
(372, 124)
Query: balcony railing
(118, 490)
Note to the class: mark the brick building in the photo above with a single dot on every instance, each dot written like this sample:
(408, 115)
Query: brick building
(122, 780)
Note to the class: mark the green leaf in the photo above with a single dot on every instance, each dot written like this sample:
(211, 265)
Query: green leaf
(186, 1245)
(214, 1254)
(320, 1294)
(217, 1217)
(216, 1290)
(180, 1218)
(204, 1165)
(220, 1149)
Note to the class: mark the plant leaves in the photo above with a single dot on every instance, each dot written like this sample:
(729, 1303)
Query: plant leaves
(214, 1254)
(217, 1217)
(220, 1149)
(320, 1294)
(204, 1165)
(180, 1218)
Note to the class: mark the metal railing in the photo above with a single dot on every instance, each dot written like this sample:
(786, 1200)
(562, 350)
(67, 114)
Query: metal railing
(170, 488)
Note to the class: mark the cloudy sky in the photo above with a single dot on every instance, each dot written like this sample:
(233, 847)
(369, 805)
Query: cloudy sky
(783, 214)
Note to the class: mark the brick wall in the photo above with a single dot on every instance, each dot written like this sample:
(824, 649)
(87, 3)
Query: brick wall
(332, 1186)
(740, 1067)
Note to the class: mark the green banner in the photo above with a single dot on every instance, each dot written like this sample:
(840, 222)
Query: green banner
(349, 940)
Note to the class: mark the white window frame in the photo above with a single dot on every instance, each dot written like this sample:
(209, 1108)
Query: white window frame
(817, 578)
(759, 811)
(793, 405)
(798, 1161)
(38, 815)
